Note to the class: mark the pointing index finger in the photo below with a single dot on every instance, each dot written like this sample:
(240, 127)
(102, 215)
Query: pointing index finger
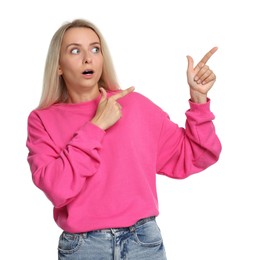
(207, 57)
(123, 93)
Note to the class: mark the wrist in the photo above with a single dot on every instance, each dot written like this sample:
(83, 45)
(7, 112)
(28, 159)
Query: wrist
(198, 98)
(96, 122)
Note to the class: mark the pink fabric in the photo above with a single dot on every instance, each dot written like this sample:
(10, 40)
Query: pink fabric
(104, 179)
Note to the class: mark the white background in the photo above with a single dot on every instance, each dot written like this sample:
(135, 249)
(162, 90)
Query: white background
(207, 216)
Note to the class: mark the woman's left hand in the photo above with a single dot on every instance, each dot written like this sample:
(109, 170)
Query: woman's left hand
(200, 78)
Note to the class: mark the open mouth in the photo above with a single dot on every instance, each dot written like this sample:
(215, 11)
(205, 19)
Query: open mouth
(88, 72)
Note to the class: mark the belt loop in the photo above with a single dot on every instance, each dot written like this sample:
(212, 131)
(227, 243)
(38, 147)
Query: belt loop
(112, 231)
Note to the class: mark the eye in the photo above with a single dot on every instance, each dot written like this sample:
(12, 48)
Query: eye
(75, 51)
(95, 49)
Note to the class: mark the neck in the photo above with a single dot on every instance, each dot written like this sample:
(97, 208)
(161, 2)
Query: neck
(85, 96)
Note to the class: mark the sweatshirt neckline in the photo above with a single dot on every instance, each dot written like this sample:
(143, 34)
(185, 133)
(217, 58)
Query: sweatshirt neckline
(73, 106)
(92, 104)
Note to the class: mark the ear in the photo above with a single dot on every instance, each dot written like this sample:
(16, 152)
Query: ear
(60, 72)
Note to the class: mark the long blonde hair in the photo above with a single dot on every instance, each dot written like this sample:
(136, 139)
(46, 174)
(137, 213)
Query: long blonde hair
(54, 89)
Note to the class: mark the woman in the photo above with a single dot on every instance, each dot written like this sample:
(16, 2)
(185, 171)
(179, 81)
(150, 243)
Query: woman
(95, 149)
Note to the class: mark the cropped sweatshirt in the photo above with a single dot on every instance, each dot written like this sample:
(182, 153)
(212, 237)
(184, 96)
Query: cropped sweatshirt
(99, 179)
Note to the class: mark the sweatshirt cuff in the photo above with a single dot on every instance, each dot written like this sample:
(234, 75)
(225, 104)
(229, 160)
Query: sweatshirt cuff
(202, 107)
(93, 130)
(89, 135)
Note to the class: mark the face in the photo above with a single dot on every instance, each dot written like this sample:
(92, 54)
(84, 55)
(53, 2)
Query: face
(81, 61)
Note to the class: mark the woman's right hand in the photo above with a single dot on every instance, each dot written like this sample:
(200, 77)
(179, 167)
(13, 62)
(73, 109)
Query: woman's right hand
(109, 110)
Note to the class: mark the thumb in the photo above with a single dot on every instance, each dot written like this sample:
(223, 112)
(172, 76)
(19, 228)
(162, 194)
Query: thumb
(103, 94)
(190, 63)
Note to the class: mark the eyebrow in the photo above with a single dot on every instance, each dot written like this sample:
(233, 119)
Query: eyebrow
(78, 44)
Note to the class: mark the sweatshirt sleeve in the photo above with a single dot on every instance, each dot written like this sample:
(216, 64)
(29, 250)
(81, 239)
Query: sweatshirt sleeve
(189, 150)
(61, 173)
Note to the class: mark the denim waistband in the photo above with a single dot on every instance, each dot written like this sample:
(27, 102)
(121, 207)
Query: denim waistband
(131, 228)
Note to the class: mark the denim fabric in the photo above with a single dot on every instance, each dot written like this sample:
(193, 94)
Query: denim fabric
(142, 241)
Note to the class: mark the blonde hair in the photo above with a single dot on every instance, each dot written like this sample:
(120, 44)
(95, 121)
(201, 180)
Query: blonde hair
(54, 89)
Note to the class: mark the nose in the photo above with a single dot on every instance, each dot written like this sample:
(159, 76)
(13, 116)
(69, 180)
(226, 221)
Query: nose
(87, 58)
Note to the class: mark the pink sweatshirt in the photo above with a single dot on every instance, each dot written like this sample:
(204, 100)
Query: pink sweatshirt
(106, 179)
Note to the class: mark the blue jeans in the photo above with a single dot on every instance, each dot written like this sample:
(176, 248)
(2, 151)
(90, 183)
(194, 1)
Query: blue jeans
(142, 241)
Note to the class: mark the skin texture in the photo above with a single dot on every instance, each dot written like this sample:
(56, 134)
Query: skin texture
(81, 51)
(200, 78)
(109, 110)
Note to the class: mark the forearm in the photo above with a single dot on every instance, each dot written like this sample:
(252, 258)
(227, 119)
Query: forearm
(187, 151)
(61, 173)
